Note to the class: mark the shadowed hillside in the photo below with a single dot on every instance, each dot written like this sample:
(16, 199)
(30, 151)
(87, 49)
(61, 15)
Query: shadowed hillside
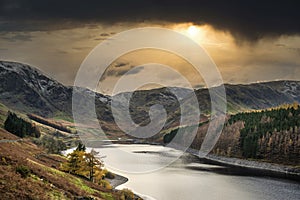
(27, 89)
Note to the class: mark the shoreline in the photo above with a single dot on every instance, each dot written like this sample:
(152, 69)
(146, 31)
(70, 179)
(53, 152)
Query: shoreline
(120, 180)
(117, 181)
(251, 167)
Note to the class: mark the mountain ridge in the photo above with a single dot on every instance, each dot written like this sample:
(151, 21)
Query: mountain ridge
(30, 90)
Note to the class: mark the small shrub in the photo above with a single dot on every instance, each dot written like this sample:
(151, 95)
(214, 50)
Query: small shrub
(51, 144)
(23, 170)
(109, 174)
(105, 184)
(126, 194)
(3, 161)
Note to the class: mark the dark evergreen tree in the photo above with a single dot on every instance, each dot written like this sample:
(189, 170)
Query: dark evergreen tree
(80, 147)
(20, 127)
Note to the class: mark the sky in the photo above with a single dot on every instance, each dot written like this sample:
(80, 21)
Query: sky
(250, 41)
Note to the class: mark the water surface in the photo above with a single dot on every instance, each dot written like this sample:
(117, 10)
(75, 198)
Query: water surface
(188, 179)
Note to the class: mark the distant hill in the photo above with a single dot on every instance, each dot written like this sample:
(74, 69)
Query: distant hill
(29, 90)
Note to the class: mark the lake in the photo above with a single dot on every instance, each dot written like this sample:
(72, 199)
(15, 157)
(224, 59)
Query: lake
(187, 178)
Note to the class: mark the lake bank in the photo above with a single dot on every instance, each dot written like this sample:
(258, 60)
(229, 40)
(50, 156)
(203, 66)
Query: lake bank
(251, 167)
(117, 181)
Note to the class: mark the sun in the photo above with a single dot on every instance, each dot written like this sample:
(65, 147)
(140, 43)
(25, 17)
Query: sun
(193, 30)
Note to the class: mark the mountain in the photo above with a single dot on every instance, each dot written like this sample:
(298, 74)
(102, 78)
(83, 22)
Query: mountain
(254, 96)
(263, 95)
(29, 90)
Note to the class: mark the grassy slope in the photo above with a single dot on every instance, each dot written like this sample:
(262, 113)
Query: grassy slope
(45, 180)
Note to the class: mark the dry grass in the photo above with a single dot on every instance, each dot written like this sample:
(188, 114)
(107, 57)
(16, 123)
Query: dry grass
(45, 181)
(4, 135)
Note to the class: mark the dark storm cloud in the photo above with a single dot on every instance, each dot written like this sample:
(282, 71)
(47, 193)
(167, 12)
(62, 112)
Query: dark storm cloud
(81, 48)
(104, 34)
(297, 50)
(121, 64)
(135, 70)
(17, 37)
(244, 19)
(294, 49)
(62, 51)
(119, 73)
(121, 68)
(280, 45)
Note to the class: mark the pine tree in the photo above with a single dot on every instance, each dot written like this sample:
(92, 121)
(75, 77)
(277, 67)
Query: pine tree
(20, 127)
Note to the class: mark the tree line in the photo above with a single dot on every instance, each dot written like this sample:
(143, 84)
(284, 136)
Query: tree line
(20, 127)
(270, 134)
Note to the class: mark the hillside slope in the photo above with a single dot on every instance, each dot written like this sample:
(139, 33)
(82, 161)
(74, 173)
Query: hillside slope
(269, 135)
(28, 90)
(27, 172)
